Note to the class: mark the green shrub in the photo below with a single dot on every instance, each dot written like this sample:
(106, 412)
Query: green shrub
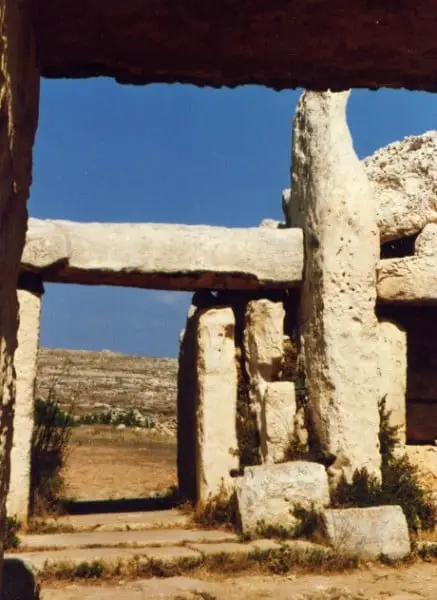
(11, 540)
(220, 510)
(399, 485)
(51, 435)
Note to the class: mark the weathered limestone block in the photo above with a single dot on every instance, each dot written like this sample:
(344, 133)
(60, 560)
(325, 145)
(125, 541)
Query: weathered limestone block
(164, 256)
(426, 241)
(403, 176)
(216, 374)
(264, 347)
(393, 374)
(367, 532)
(269, 494)
(25, 362)
(277, 418)
(412, 280)
(332, 200)
(19, 86)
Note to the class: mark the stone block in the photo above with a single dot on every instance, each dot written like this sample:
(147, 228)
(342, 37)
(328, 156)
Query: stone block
(332, 200)
(25, 361)
(216, 402)
(269, 494)
(368, 533)
(393, 373)
(277, 419)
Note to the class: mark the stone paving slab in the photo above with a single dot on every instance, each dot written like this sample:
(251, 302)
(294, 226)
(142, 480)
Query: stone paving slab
(229, 548)
(122, 521)
(160, 537)
(38, 561)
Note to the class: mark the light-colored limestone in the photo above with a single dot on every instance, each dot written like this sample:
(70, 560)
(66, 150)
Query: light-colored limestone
(393, 374)
(19, 94)
(425, 459)
(163, 256)
(268, 494)
(25, 362)
(332, 200)
(367, 532)
(403, 176)
(412, 279)
(264, 349)
(216, 435)
(426, 241)
(277, 418)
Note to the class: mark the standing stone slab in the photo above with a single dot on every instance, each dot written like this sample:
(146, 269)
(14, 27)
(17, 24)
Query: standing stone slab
(25, 362)
(216, 401)
(264, 348)
(19, 96)
(367, 532)
(332, 200)
(393, 374)
(269, 494)
(277, 418)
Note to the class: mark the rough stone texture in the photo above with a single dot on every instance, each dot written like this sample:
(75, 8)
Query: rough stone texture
(404, 179)
(163, 256)
(412, 280)
(388, 45)
(25, 362)
(268, 494)
(19, 582)
(19, 83)
(425, 459)
(277, 418)
(263, 348)
(332, 199)
(216, 402)
(393, 374)
(367, 532)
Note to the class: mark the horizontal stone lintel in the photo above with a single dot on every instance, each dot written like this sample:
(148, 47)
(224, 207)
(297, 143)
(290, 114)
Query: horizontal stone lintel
(191, 257)
(163, 256)
(273, 43)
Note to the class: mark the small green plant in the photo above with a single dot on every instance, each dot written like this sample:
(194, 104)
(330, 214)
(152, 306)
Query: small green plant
(247, 428)
(50, 439)
(399, 485)
(11, 539)
(220, 510)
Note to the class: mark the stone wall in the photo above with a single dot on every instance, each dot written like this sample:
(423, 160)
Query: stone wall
(18, 113)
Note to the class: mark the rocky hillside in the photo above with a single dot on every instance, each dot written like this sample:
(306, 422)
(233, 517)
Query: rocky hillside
(91, 382)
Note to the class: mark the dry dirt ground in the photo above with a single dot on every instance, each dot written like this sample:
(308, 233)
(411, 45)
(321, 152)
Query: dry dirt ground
(105, 463)
(417, 582)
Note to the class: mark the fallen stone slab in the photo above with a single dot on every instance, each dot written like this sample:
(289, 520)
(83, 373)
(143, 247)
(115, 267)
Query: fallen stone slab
(368, 533)
(164, 537)
(269, 494)
(163, 256)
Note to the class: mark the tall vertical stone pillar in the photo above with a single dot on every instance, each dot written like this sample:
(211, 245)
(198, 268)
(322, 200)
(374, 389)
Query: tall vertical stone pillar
(332, 201)
(216, 371)
(19, 84)
(207, 403)
(25, 362)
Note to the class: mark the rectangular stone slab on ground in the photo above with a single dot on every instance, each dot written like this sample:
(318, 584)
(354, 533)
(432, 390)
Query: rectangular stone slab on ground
(367, 532)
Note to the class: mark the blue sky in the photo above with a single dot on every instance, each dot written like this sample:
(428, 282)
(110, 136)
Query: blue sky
(176, 154)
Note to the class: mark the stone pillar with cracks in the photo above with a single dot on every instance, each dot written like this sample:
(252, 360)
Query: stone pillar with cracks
(19, 97)
(331, 199)
(25, 362)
